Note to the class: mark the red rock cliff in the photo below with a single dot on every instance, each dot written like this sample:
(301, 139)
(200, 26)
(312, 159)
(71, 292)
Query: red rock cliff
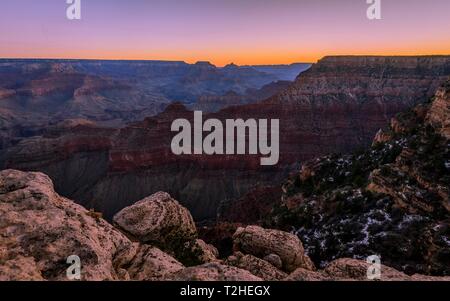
(336, 106)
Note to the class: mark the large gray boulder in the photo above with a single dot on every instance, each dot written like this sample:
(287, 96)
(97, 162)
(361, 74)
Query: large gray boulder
(158, 219)
(256, 266)
(262, 242)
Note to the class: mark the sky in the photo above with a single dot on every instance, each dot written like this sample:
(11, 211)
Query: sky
(222, 31)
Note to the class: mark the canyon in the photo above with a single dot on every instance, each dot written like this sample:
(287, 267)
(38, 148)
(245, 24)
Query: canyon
(363, 170)
(337, 106)
(38, 93)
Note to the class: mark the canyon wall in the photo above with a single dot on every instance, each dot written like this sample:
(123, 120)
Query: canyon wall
(336, 106)
(37, 93)
(392, 199)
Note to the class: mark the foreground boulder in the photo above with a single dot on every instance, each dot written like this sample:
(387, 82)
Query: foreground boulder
(19, 268)
(152, 264)
(158, 219)
(346, 269)
(161, 221)
(213, 272)
(41, 229)
(197, 252)
(261, 242)
(301, 274)
(274, 260)
(256, 266)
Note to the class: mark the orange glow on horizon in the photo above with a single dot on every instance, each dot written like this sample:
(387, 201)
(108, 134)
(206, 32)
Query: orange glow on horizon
(222, 60)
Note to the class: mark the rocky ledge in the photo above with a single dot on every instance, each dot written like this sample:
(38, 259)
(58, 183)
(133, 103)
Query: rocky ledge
(155, 239)
(392, 199)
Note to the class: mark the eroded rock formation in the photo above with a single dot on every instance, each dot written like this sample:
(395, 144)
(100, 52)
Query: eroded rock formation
(336, 106)
(157, 219)
(264, 242)
(40, 230)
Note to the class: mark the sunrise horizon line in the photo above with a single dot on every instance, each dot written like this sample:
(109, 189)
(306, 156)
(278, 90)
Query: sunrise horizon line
(189, 62)
(193, 62)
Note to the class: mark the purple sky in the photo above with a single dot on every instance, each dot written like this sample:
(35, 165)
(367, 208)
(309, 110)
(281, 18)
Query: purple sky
(222, 31)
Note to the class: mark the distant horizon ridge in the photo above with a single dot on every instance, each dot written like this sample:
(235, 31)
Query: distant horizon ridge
(150, 60)
(218, 66)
